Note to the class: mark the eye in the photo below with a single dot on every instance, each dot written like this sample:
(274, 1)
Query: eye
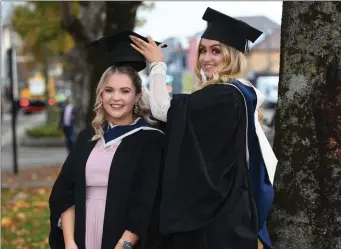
(202, 50)
(216, 51)
(108, 90)
(125, 91)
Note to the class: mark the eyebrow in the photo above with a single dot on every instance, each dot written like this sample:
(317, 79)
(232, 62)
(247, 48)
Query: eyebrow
(211, 45)
(126, 87)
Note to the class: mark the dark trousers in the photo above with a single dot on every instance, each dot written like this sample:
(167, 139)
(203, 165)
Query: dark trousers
(68, 133)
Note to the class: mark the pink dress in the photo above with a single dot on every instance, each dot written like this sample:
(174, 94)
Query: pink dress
(96, 175)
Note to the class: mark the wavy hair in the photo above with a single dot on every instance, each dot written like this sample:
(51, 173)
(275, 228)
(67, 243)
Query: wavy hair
(233, 66)
(144, 109)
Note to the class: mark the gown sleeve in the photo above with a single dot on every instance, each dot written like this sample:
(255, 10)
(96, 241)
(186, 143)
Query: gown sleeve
(159, 98)
(61, 197)
(206, 158)
(142, 218)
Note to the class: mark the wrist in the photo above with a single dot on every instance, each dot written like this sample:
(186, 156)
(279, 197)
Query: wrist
(70, 244)
(125, 244)
(153, 63)
(158, 65)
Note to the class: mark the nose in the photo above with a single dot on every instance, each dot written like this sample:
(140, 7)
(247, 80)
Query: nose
(207, 57)
(116, 96)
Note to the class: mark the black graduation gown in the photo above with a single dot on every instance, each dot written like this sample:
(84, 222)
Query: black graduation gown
(206, 197)
(133, 196)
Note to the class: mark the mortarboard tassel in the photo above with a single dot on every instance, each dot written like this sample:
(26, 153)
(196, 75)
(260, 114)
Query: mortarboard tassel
(247, 46)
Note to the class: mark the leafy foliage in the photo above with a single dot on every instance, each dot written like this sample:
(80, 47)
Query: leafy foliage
(25, 219)
(45, 130)
(38, 25)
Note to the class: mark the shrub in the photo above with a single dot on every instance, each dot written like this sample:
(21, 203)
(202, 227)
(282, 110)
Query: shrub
(45, 130)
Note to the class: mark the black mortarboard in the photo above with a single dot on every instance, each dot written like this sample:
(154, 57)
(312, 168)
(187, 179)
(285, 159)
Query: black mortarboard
(116, 50)
(228, 30)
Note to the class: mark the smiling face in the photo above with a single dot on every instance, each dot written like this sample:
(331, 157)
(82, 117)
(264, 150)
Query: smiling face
(210, 56)
(118, 98)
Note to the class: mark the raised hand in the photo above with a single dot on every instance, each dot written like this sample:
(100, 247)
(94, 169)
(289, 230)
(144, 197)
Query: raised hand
(150, 50)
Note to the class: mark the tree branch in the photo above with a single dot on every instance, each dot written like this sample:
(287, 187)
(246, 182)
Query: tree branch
(72, 25)
(120, 15)
(93, 18)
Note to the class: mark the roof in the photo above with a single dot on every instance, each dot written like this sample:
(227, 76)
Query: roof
(260, 22)
(270, 42)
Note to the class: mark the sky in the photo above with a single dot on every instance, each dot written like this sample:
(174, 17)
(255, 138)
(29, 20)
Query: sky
(183, 18)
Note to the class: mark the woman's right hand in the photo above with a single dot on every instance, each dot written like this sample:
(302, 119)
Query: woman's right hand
(71, 245)
(150, 50)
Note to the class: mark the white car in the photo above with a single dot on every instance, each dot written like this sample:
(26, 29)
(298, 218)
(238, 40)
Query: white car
(268, 85)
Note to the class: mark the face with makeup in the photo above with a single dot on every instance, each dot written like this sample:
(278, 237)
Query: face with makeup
(210, 56)
(118, 98)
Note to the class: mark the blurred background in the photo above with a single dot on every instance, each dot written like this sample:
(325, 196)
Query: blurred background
(43, 63)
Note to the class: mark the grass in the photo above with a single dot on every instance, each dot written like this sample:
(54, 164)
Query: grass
(25, 218)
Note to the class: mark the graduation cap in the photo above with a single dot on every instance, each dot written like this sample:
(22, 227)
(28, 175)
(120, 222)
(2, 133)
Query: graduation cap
(116, 50)
(228, 30)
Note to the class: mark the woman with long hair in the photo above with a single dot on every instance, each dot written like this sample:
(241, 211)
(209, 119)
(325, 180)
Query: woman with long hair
(107, 193)
(219, 167)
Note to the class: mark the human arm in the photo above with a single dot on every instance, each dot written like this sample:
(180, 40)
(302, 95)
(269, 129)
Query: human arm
(159, 98)
(127, 236)
(62, 197)
(142, 215)
(68, 226)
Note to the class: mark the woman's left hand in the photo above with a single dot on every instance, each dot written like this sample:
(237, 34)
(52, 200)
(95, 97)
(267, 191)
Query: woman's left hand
(150, 50)
(118, 246)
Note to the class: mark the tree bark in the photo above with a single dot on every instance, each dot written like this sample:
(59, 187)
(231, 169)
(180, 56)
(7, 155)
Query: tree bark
(307, 206)
(73, 25)
(119, 15)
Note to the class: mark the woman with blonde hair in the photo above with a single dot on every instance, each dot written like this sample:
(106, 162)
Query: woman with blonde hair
(216, 189)
(107, 193)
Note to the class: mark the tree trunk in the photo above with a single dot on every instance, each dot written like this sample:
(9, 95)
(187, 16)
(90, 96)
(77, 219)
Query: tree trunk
(120, 15)
(307, 206)
(97, 19)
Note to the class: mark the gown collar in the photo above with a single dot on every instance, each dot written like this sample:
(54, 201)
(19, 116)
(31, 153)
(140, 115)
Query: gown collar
(114, 133)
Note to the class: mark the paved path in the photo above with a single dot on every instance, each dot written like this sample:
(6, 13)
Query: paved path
(28, 157)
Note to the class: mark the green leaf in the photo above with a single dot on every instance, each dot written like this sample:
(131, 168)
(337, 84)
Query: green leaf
(39, 26)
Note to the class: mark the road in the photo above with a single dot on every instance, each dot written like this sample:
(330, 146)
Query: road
(23, 122)
(35, 157)
(27, 156)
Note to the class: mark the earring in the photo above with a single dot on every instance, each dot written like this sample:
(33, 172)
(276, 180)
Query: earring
(203, 76)
(136, 108)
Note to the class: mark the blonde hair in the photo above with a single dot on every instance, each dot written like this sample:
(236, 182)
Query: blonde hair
(233, 66)
(100, 117)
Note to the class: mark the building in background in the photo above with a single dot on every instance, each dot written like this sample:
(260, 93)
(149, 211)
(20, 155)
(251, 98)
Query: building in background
(176, 58)
(264, 56)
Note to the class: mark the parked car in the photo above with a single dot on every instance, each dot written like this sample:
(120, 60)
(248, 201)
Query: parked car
(268, 85)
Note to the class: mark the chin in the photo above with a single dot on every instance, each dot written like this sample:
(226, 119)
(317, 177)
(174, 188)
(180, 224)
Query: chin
(208, 74)
(116, 116)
